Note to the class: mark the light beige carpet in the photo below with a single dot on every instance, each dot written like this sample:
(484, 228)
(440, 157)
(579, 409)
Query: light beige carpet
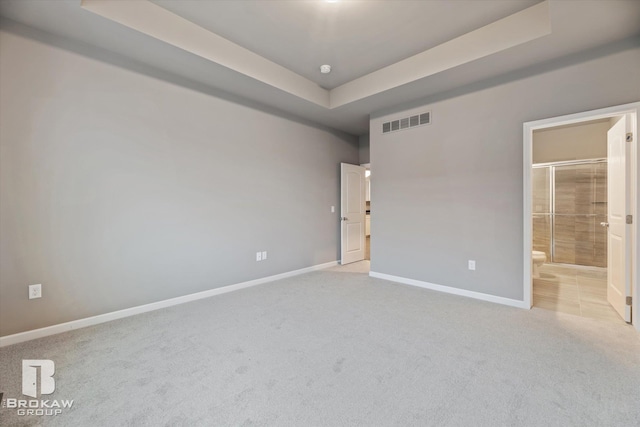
(339, 348)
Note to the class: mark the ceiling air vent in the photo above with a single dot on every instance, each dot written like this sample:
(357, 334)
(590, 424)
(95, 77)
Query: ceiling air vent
(407, 122)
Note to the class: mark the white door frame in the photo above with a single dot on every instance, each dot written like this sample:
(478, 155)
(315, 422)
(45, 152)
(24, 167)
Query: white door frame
(633, 110)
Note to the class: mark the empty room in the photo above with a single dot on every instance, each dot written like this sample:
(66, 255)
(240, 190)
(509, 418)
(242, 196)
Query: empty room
(319, 213)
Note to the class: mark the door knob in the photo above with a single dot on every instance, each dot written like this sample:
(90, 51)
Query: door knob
(604, 224)
(344, 218)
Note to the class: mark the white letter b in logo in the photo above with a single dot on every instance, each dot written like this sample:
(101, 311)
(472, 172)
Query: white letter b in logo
(30, 377)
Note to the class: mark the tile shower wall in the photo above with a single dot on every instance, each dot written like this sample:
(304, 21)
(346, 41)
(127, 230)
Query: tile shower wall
(570, 202)
(542, 210)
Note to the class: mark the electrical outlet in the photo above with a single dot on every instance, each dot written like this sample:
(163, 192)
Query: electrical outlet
(35, 291)
(333, 209)
(258, 256)
(264, 255)
(472, 264)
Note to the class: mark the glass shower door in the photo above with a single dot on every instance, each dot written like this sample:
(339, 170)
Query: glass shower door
(542, 210)
(579, 205)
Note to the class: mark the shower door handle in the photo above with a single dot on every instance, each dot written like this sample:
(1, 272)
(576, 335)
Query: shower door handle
(604, 224)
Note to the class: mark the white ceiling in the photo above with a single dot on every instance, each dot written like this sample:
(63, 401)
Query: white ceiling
(357, 38)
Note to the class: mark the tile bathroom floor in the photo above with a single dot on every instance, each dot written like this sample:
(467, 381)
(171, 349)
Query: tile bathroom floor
(574, 290)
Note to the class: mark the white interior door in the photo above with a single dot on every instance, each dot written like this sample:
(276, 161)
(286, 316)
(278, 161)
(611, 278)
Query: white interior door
(352, 213)
(618, 241)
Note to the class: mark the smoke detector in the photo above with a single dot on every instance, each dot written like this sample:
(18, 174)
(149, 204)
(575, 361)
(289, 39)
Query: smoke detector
(325, 69)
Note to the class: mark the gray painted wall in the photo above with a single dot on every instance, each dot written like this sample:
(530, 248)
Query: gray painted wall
(118, 189)
(452, 191)
(364, 148)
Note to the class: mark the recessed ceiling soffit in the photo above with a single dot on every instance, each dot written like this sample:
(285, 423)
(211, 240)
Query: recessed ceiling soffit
(157, 22)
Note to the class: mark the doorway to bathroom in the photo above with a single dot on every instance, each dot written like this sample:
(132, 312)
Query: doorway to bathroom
(581, 194)
(569, 206)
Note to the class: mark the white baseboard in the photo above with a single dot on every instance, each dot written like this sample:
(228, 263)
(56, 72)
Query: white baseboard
(107, 317)
(450, 290)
